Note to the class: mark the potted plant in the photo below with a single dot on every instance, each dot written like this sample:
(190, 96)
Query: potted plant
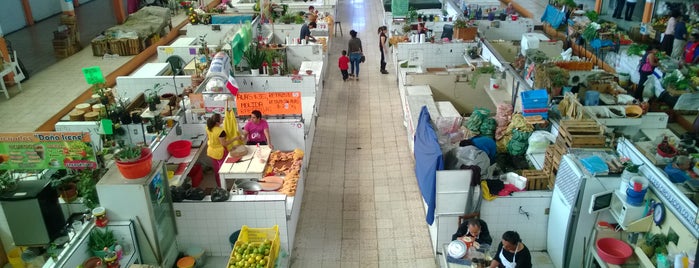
(8, 182)
(445, 14)
(254, 56)
(65, 183)
(153, 96)
(412, 14)
(489, 70)
(464, 31)
(299, 19)
(134, 161)
(101, 92)
(87, 182)
(101, 241)
(406, 28)
(288, 18)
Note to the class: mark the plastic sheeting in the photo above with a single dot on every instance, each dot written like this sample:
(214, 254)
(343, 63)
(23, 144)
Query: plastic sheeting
(428, 159)
(553, 16)
(240, 42)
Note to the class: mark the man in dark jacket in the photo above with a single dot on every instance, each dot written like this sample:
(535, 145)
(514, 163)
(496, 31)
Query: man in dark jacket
(475, 228)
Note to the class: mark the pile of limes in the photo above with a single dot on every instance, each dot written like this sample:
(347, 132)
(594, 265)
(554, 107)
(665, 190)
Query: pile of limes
(255, 254)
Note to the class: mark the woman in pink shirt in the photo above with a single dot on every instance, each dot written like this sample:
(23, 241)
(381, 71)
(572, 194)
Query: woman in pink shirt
(256, 131)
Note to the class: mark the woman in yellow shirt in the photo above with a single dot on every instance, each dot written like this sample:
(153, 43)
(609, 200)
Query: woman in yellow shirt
(217, 142)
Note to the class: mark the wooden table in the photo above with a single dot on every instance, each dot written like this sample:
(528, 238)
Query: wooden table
(250, 166)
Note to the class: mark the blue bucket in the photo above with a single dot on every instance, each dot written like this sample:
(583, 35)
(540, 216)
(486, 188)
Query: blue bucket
(635, 198)
(591, 98)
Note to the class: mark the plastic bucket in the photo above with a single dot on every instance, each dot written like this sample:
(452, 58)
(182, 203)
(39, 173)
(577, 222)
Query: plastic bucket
(185, 262)
(638, 183)
(15, 257)
(198, 254)
(635, 198)
(624, 79)
(591, 98)
(233, 238)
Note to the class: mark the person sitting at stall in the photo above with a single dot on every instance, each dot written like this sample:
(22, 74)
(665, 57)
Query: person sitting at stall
(511, 253)
(256, 130)
(510, 10)
(677, 170)
(691, 53)
(217, 142)
(475, 228)
(306, 32)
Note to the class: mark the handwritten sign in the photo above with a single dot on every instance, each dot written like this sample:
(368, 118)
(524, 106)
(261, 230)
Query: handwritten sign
(42, 150)
(93, 75)
(269, 103)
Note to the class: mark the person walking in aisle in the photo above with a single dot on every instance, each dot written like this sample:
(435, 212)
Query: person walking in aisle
(618, 9)
(343, 63)
(354, 47)
(647, 64)
(383, 48)
(680, 38)
(630, 5)
(669, 34)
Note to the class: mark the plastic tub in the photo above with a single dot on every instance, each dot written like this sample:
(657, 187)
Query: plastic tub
(185, 262)
(15, 257)
(180, 148)
(635, 198)
(613, 251)
(532, 99)
(198, 254)
(591, 98)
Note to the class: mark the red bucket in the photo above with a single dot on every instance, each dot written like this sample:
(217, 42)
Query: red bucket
(514, 17)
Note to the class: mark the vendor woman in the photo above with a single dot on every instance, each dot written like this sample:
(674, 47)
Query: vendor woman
(511, 253)
(257, 130)
(217, 143)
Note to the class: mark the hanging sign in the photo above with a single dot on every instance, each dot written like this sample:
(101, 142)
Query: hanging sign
(93, 75)
(399, 8)
(269, 103)
(46, 150)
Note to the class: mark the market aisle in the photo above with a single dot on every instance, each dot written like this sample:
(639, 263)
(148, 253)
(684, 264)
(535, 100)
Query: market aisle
(361, 204)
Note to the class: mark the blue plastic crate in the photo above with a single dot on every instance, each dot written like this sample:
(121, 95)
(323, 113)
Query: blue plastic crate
(535, 99)
(545, 115)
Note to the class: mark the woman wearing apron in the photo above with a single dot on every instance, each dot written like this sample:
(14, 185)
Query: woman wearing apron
(511, 253)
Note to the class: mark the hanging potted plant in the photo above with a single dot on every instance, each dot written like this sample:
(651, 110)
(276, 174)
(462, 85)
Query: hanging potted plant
(87, 182)
(134, 162)
(153, 96)
(65, 184)
(101, 242)
(412, 14)
(101, 92)
(254, 56)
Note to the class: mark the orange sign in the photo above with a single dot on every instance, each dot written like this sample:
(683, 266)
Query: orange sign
(269, 103)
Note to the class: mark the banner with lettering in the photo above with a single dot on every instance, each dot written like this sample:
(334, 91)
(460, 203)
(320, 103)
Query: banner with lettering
(42, 150)
(269, 103)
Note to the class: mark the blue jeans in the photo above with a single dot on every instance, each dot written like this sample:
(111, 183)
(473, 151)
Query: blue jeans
(355, 59)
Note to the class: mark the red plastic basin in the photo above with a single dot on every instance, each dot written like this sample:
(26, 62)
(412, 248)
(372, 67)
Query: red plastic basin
(613, 251)
(180, 148)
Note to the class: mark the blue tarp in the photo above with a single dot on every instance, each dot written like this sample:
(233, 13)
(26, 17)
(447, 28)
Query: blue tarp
(428, 159)
(553, 16)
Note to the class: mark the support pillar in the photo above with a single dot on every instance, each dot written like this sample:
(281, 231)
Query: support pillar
(27, 8)
(598, 6)
(648, 11)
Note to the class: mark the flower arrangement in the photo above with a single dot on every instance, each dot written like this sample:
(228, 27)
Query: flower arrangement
(629, 165)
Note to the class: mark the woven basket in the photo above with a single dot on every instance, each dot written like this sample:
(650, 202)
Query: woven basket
(239, 151)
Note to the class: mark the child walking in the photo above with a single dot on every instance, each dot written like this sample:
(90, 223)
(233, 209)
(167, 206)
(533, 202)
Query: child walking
(343, 63)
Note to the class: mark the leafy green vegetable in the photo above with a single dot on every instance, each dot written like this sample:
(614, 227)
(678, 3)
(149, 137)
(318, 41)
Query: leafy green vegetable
(592, 15)
(637, 49)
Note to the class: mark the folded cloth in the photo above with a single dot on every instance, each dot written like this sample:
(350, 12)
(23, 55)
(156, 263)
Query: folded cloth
(508, 189)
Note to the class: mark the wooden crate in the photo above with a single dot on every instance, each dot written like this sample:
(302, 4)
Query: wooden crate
(465, 34)
(536, 179)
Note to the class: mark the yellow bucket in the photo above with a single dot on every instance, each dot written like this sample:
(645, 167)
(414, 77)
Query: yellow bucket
(15, 257)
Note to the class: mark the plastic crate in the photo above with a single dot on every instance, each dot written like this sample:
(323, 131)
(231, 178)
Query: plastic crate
(545, 115)
(533, 99)
(258, 235)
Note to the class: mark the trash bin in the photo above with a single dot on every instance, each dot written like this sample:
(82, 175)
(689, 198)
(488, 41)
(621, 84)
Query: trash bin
(233, 238)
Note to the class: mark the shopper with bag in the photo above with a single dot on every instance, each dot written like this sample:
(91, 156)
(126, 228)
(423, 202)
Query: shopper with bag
(356, 54)
(382, 47)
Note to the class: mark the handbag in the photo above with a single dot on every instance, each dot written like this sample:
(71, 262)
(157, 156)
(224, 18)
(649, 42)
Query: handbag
(362, 59)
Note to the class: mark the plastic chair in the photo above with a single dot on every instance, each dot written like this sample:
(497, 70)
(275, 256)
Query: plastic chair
(176, 64)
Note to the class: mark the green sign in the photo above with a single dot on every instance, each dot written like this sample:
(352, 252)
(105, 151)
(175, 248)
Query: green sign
(399, 8)
(93, 75)
(46, 150)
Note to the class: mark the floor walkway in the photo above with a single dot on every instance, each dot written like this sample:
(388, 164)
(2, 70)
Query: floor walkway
(361, 207)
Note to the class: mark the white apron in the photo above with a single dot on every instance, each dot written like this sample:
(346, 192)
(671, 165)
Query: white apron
(507, 263)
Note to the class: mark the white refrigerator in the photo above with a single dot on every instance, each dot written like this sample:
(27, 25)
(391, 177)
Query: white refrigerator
(570, 217)
(147, 202)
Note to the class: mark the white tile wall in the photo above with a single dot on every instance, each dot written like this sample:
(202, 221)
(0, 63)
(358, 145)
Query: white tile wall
(212, 37)
(299, 53)
(306, 86)
(503, 214)
(130, 87)
(209, 225)
(439, 54)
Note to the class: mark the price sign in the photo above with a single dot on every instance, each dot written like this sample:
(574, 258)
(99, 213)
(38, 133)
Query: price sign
(269, 103)
(93, 75)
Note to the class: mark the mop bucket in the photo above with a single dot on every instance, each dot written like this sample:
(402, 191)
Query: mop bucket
(635, 198)
(15, 257)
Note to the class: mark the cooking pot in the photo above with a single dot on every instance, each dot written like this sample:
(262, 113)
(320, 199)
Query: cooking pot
(249, 187)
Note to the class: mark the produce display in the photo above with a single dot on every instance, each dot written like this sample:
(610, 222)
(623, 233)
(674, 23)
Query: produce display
(255, 254)
(287, 164)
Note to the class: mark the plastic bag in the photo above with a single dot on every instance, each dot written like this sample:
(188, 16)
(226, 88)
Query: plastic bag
(219, 195)
(539, 140)
(595, 165)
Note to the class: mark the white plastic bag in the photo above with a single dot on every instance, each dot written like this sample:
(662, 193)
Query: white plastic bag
(539, 140)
